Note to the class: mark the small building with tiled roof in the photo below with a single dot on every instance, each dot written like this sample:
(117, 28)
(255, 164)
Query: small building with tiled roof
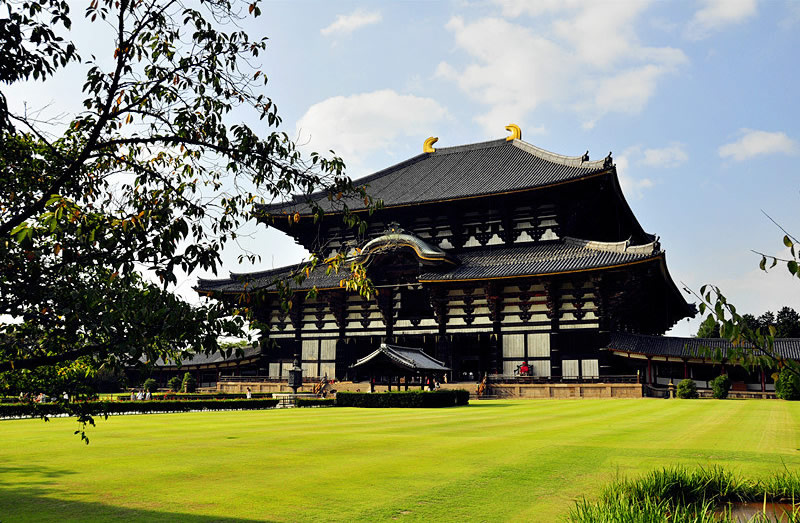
(485, 255)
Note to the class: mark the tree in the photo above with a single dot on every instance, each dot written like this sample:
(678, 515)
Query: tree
(708, 329)
(158, 172)
(766, 320)
(787, 323)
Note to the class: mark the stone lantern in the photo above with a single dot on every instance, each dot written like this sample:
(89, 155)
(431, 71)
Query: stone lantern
(295, 377)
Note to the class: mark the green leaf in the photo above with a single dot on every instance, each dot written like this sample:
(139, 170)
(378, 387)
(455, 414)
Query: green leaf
(787, 242)
(792, 266)
(763, 264)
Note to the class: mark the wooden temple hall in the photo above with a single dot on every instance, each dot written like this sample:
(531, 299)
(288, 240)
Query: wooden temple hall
(490, 257)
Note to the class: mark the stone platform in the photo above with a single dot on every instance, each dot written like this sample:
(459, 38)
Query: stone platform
(496, 390)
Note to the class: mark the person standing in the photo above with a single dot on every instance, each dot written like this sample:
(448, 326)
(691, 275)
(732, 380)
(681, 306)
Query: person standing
(249, 393)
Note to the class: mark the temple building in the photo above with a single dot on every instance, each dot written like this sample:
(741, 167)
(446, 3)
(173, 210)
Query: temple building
(485, 256)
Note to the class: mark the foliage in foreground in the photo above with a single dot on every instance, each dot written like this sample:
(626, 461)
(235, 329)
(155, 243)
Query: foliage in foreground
(157, 172)
(680, 494)
(403, 399)
(752, 340)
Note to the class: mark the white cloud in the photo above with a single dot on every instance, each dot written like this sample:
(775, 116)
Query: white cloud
(588, 58)
(716, 14)
(346, 24)
(357, 125)
(671, 156)
(756, 143)
(632, 186)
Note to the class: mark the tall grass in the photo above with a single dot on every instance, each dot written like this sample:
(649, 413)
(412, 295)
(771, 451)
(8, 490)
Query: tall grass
(679, 494)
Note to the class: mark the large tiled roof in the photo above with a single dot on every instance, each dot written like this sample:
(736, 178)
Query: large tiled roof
(449, 173)
(541, 258)
(689, 347)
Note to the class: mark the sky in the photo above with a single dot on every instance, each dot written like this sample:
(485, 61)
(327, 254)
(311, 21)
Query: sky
(697, 100)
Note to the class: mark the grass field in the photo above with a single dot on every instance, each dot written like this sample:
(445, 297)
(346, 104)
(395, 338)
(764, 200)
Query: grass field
(491, 461)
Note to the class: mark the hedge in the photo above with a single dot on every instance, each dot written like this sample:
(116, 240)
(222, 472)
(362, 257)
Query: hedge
(316, 402)
(403, 399)
(100, 408)
(199, 396)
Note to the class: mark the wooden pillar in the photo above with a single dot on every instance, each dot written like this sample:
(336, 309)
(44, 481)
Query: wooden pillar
(763, 381)
(389, 388)
(422, 383)
(649, 371)
(406, 378)
(494, 301)
(685, 369)
(371, 383)
(385, 299)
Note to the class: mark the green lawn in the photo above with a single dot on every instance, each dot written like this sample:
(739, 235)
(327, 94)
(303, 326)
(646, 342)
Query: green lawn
(491, 461)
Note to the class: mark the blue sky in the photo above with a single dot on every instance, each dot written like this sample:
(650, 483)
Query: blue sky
(696, 99)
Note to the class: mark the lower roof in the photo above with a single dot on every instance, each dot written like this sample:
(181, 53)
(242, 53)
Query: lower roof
(788, 348)
(566, 255)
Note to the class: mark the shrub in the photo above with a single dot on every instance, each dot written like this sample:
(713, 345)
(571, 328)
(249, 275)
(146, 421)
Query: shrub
(174, 384)
(687, 389)
(403, 399)
(720, 386)
(189, 384)
(316, 402)
(787, 386)
(150, 385)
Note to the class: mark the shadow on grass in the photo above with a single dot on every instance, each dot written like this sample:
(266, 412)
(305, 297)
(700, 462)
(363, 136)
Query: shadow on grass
(29, 498)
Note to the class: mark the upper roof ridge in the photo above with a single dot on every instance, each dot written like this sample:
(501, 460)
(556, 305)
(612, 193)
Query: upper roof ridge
(572, 161)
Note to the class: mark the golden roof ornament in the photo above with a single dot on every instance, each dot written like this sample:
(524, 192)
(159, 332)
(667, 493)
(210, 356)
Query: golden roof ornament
(516, 132)
(427, 147)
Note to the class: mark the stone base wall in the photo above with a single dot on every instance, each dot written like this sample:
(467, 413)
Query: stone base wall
(504, 391)
(565, 390)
